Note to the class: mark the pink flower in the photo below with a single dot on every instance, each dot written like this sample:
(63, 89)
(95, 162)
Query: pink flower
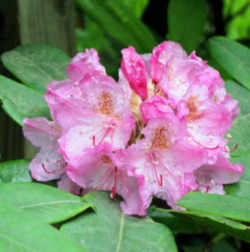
(163, 156)
(100, 169)
(211, 178)
(106, 118)
(160, 131)
(48, 164)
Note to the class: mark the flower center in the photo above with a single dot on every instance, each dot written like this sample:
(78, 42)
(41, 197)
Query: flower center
(106, 104)
(106, 159)
(159, 140)
(193, 111)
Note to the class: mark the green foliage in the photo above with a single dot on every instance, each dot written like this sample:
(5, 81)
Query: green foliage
(20, 101)
(136, 6)
(233, 57)
(46, 203)
(186, 22)
(238, 15)
(21, 232)
(229, 206)
(15, 171)
(201, 222)
(241, 94)
(240, 135)
(36, 65)
(115, 19)
(116, 231)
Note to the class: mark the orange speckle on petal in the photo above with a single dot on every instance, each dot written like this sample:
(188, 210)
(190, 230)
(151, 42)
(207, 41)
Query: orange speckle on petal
(106, 104)
(106, 159)
(159, 140)
(193, 110)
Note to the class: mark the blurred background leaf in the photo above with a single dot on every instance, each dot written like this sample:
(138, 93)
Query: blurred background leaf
(186, 22)
(237, 16)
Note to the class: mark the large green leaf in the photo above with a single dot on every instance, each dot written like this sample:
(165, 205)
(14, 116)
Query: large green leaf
(233, 57)
(115, 19)
(36, 64)
(46, 203)
(21, 233)
(186, 22)
(220, 205)
(202, 222)
(241, 94)
(108, 229)
(15, 171)
(177, 223)
(240, 129)
(241, 189)
(240, 132)
(20, 101)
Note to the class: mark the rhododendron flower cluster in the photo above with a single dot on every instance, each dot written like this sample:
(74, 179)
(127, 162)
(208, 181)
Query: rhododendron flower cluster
(160, 130)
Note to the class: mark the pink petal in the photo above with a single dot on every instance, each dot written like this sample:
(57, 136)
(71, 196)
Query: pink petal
(222, 172)
(162, 55)
(134, 69)
(155, 107)
(39, 131)
(83, 64)
(48, 164)
(66, 184)
(99, 170)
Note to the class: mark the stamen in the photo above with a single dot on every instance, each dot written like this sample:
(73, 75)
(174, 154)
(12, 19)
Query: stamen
(113, 192)
(161, 180)
(158, 180)
(47, 171)
(234, 148)
(94, 141)
(109, 129)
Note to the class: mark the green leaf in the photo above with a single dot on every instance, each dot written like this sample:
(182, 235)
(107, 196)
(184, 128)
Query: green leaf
(46, 203)
(186, 22)
(241, 94)
(116, 231)
(240, 129)
(22, 233)
(136, 6)
(220, 205)
(116, 20)
(21, 102)
(240, 135)
(241, 189)
(15, 171)
(205, 222)
(178, 224)
(36, 64)
(233, 57)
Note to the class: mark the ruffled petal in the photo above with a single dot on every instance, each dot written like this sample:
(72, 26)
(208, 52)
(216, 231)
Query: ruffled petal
(222, 172)
(48, 164)
(155, 107)
(66, 184)
(39, 131)
(134, 69)
(83, 64)
(162, 55)
(99, 170)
